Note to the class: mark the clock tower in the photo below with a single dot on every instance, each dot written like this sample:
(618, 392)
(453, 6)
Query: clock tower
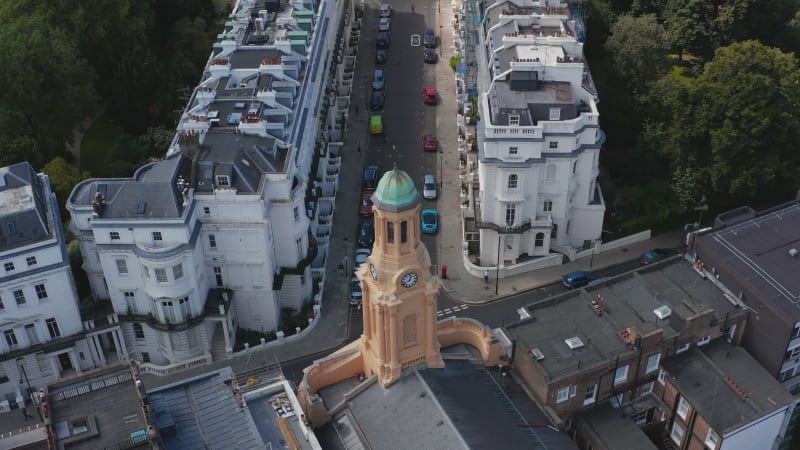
(399, 292)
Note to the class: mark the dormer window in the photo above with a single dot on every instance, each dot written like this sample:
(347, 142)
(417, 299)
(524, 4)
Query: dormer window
(555, 113)
(222, 180)
(513, 120)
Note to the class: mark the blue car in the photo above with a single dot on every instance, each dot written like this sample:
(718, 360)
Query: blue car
(430, 221)
(578, 279)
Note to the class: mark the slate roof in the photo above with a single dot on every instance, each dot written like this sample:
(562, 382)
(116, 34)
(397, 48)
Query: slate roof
(23, 207)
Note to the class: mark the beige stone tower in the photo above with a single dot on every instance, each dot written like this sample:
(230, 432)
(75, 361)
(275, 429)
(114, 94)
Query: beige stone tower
(399, 292)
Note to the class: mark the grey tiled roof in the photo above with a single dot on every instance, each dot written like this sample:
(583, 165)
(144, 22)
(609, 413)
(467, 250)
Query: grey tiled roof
(23, 206)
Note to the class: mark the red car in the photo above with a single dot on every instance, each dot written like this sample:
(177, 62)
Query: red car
(429, 96)
(429, 143)
(365, 207)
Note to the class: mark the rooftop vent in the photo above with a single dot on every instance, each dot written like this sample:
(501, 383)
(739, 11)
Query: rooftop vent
(793, 252)
(537, 354)
(662, 312)
(574, 343)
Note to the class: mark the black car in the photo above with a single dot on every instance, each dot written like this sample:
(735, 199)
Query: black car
(383, 39)
(430, 56)
(380, 56)
(377, 100)
(657, 254)
(429, 39)
(370, 180)
(366, 235)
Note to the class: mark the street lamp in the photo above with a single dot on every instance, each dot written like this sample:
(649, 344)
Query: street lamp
(497, 267)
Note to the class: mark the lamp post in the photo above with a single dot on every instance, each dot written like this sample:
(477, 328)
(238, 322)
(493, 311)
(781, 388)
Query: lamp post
(497, 267)
(30, 391)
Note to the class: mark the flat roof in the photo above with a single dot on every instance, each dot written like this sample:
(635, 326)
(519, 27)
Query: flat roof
(615, 431)
(756, 252)
(713, 378)
(630, 300)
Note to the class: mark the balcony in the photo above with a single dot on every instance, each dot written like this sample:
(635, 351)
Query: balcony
(277, 282)
(218, 304)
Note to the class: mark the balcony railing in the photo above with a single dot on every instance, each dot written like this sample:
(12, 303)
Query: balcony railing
(505, 229)
(215, 299)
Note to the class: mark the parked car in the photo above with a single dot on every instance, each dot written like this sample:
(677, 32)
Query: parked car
(429, 96)
(380, 56)
(377, 79)
(370, 180)
(578, 279)
(430, 221)
(377, 100)
(365, 207)
(429, 143)
(429, 39)
(355, 292)
(429, 187)
(386, 10)
(360, 257)
(375, 124)
(657, 254)
(366, 234)
(383, 39)
(383, 24)
(430, 56)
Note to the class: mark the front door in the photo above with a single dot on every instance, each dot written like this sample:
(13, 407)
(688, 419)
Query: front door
(66, 363)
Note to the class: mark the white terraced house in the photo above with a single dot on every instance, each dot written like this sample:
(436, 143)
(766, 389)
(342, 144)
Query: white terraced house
(43, 336)
(538, 138)
(216, 236)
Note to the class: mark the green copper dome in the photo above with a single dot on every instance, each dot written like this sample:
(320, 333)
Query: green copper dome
(396, 192)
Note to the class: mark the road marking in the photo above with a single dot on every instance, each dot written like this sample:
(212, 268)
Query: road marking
(415, 40)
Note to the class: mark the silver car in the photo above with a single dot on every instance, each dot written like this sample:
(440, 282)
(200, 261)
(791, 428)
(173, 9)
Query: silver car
(429, 187)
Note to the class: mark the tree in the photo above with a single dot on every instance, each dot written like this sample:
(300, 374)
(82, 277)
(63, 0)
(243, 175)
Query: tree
(63, 178)
(736, 126)
(638, 46)
(688, 23)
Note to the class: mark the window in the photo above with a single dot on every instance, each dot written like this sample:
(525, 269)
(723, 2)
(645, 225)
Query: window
(11, 339)
(161, 275)
(122, 266)
(177, 271)
(33, 337)
(146, 271)
(652, 362)
(512, 181)
(218, 275)
(572, 391)
(589, 395)
(662, 376)
(19, 296)
(574, 166)
(296, 213)
(554, 231)
(786, 374)
(511, 214)
(157, 236)
(222, 180)
(169, 311)
(52, 327)
(31, 261)
(646, 389)
(138, 331)
(1, 304)
(550, 173)
(390, 232)
(11, 227)
(683, 408)
(114, 235)
(682, 348)
(569, 222)
(703, 341)
(513, 150)
(563, 394)
(186, 310)
(130, 301)
(539, 241)
(555, 113)
(403, 232)
(9, 266)
(145, 357)
(621, 375)
(547, 206)
(640, 418)
(553, 144)
(212, 241)
(792, 353)
(206, 210)
(677, 433)
(513, 120)
(712, 438)
(41, 292)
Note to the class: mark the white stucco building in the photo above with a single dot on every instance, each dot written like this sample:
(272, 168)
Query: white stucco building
(44, 337)
(538, 136)
(216, 236)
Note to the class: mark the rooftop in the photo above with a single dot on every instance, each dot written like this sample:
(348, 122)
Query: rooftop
(613, 430)
(98, 410)
(23, 207)
(755, 250)
(630, 301)
(726, 385)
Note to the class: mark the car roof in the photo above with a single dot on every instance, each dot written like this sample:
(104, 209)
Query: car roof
(429, 90)
(428, 178)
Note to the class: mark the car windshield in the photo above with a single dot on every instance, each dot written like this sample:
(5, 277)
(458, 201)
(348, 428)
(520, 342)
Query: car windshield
(430, 186)
(367, 201)
(429, 218)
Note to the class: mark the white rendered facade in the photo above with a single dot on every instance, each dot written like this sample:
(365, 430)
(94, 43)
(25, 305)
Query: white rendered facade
(43, 335)
(227, 205)
(538, 136)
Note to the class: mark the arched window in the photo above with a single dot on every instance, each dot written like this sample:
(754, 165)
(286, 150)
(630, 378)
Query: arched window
(138, 331)
(550, 173)
(539, 242)
(512, 181)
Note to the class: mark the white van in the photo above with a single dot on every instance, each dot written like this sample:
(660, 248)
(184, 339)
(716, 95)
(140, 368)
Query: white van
(429, 187)
(386, 10)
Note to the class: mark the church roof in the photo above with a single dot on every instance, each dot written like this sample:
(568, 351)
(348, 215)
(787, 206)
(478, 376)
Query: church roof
(395, 192)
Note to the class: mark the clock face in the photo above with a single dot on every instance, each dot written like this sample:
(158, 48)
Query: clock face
(409, 280)
(373, 271)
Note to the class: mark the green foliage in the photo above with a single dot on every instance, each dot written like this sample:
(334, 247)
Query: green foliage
(638, 46)
(63, 178)
(99, 145)
(455, 60)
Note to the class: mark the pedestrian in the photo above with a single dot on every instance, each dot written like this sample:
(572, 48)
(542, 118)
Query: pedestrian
(412, 8)
(359, 148)
(486, 276)
(25, 413)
